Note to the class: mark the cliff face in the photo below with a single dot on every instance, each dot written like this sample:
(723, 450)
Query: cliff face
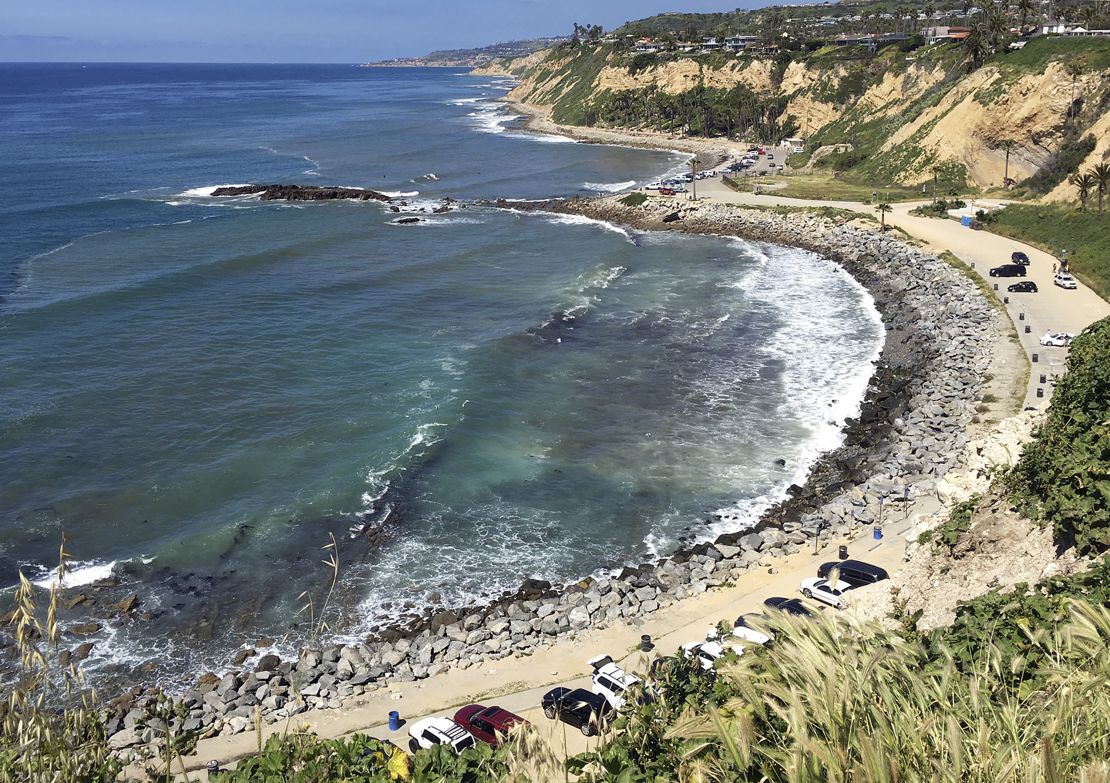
(904, 114)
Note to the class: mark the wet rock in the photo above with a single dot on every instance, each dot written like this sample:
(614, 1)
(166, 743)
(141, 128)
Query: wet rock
(300, 193)
(267, 663)
(83, 629)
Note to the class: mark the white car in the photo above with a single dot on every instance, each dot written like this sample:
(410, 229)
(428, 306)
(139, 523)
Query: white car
(824, 591)
(1057, 339)
(744, 630)
(1064, 280)
(611, 681)
(707, 653)
(430, 732)
(653, 186)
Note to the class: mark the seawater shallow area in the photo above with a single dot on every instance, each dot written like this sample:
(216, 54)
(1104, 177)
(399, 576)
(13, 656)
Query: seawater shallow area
(198, 391)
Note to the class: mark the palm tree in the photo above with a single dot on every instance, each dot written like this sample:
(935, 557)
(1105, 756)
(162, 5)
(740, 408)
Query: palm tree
(882, 209)
(1027, 8)
(1101, 174)
(1074, 70)
(1007, 145)
(978, 47)
(1084, 183)
(694, 181)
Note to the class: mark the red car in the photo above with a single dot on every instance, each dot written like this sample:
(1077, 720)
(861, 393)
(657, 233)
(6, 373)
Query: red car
(666, 191)
(489, 724)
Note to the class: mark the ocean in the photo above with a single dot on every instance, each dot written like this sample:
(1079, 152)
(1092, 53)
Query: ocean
(199, 392)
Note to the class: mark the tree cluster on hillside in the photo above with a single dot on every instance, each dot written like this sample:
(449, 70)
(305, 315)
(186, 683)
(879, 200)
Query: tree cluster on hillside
(700, 111)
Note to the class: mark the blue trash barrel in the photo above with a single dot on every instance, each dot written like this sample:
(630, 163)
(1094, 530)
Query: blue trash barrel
(876, 532)
(965, 220)
(394, 720)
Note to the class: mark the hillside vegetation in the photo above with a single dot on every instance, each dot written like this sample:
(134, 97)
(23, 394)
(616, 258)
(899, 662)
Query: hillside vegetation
(1064, 474)
(903, 113)
(1055, 227)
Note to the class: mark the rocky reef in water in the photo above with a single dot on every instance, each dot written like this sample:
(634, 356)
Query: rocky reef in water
(301, 193)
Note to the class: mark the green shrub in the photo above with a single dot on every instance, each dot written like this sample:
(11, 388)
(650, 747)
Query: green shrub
(1064, 473)
(1009, 627)
(1061, 164)
(958, 523)
(634, 199)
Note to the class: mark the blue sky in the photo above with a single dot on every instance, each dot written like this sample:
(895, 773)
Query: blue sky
(296, 30)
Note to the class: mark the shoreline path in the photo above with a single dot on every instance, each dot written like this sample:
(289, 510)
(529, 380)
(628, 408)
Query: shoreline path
(518, 683)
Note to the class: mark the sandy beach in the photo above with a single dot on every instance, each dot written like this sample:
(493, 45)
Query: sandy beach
(710, 152)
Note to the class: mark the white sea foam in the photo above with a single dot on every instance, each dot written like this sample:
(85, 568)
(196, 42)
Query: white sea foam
(491, 117)
(207, 190)
(826, 349)
(542, 138)
(78, 573)
(581, 220)
(609, 187)
(437, 221)
(400, 194)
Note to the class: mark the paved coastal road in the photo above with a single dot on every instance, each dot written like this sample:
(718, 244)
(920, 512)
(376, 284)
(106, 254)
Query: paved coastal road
(1050, 309)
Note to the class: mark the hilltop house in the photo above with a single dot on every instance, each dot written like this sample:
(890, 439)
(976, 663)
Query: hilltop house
(794, 144)
(1059, 28)
(738, 43)
(945, 34)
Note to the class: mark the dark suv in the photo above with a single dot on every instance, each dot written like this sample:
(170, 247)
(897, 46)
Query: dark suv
(489, 724)
(855, 572)
(1019, 257)
(1008, 270)
(789, 605)
(588, 712)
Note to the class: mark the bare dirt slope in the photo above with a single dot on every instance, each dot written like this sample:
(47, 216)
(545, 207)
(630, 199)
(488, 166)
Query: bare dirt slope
(999, 550)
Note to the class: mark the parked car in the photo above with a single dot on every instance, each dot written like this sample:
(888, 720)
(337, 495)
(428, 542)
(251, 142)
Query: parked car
(1024, 287)
(1019, 257)
(1064, 280)
(1057, 339)
(489, 724)
(831, 593)
(611, 681)
(788, 605)
(588, 712)
(1008, 270)
(744, 631)
(430, 732)
(653, 186)
(707, 653)
(855, 572)
(666, 191)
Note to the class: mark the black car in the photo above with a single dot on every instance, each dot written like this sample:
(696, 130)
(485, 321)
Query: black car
(586, 711)
(1024, 287)
(788, 605)
(1019, 257)
(1008, 270)
(855, 572)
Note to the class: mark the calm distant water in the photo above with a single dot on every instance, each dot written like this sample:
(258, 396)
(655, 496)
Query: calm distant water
(199, 391)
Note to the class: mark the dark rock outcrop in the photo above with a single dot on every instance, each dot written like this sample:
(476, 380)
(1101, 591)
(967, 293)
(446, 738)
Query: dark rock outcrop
(301, 193)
